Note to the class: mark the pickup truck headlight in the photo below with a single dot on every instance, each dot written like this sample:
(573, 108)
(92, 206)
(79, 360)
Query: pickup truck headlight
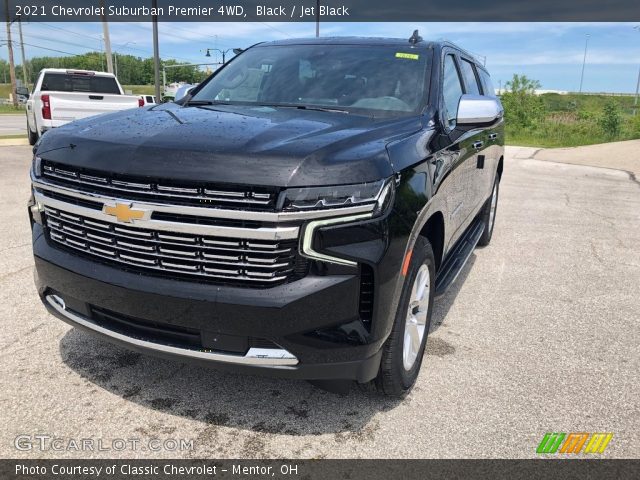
(378, 194)
(36, 166)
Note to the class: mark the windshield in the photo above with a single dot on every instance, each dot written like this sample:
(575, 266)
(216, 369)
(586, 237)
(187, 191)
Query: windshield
(387, 79)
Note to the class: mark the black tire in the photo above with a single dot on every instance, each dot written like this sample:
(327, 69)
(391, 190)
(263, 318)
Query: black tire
(393, 378)
(485, 214)
(33, 136)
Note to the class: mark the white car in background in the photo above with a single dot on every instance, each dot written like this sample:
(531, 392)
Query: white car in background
(144, 100)
(61, 96)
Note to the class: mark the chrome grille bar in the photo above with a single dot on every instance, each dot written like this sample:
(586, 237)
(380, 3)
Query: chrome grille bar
(262, 233)
(198, 256)
(268, 217)
(195, 194)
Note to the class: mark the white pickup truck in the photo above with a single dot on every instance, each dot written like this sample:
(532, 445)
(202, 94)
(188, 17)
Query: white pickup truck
(61, 96)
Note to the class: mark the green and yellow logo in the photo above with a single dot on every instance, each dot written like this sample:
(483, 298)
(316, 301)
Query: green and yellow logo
(574, 442)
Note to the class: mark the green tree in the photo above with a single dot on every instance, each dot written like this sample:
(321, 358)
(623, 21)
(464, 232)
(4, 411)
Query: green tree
(522, 107)
(611, 120)
(131, 70)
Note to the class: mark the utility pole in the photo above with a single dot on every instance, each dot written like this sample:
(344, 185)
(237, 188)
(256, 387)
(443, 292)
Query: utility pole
(317, 18)
(584, 61)
(635, 100)
(12, 67)
(25, 77)
(107, 42)
(156, 52)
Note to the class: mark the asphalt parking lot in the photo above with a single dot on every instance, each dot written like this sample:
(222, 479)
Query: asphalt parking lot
(540, 333)
(13, 125)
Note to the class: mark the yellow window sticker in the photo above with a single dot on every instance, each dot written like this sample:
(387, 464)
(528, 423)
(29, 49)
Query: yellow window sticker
(410, 56)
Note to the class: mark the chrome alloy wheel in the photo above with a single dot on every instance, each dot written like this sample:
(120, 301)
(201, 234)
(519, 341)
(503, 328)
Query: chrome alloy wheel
(494, 204)
(415, 324)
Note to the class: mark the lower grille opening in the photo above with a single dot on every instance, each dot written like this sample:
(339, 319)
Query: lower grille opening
(176, 335)
(366, 294)
(166, 334)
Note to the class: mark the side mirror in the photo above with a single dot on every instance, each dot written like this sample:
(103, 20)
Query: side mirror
(477, 110)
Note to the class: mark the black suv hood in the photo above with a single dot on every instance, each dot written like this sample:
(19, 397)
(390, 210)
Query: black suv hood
(231, 144)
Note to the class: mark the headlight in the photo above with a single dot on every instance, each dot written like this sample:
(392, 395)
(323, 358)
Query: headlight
(338, 196)
(377, 194)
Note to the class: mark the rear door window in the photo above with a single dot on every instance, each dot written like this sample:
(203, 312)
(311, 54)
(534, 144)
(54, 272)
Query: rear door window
(470, 79)
(487, 84)
(65, 82)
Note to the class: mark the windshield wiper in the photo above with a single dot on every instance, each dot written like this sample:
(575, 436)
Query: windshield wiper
(197, 103)
(305, 107)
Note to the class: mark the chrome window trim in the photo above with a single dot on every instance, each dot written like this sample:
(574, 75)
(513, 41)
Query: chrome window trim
(263, 233)
(212, 212)
(306, 241)
(267, 357)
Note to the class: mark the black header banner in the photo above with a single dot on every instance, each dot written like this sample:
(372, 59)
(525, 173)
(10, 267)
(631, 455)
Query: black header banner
(319, 469)
(328, 11)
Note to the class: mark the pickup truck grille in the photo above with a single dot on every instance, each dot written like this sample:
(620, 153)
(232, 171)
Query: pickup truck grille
(238, 261)
(158, 190)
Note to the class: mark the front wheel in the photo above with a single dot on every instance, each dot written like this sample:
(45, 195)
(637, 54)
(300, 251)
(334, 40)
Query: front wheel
(403, 351)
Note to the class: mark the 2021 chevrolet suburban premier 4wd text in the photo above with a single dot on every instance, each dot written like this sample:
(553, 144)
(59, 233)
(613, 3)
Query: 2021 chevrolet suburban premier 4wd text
(294, 215)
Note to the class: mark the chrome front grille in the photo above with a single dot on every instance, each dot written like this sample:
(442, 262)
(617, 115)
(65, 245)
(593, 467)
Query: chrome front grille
(231, 260)
(159, 190)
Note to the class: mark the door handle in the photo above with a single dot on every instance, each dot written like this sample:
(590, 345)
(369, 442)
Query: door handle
(478, 145)
(493, 136)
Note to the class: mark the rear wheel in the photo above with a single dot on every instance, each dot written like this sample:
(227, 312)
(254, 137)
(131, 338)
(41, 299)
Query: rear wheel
(488, 214)
(403, 351)
(33, 136)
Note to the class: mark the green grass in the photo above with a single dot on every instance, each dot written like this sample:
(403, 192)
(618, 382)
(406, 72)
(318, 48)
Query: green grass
(571, 130)
(8, 109)
(17, 135)
(573, 120)
(140, 89)
(572, 102)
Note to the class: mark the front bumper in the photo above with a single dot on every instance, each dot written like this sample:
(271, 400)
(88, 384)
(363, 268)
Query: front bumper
(269, 331)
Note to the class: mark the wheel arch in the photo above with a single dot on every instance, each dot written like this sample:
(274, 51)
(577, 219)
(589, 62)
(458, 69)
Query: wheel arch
(433, 230)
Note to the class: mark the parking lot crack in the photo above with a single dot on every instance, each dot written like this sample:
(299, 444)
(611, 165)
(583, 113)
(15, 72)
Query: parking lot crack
(15, 246)
(10, 274)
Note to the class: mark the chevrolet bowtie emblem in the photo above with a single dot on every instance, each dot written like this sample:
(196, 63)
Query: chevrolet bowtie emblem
(123, 212)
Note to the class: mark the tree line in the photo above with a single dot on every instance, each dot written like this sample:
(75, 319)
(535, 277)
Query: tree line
(131, 70)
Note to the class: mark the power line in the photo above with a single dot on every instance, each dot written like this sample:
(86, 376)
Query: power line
(55, 27)
(277, 30)
(31, 35)
(45, 48)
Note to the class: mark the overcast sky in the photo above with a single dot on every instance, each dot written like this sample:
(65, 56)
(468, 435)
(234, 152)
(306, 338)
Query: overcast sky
(549, 52)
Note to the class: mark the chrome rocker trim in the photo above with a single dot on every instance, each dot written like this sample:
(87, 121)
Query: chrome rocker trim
(262, 357)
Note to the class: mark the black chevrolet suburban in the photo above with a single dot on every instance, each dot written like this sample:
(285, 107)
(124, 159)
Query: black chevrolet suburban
(295, 214)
